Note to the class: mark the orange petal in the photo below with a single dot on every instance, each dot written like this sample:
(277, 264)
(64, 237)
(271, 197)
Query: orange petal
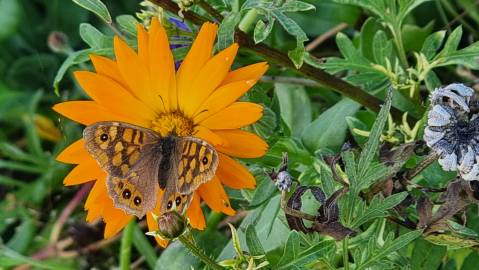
(162, 67)
(221, 98)
(75, 153)
(152, 224)
(207, 80)
(142, 36)
(198, 55)
(235, 116)
(135, 74)
(241, 144)
(213, 193)
(208, 135)
(195, 214)
(233, 174)
(94, 203)
(106, 66)
(86, 171)
(115, 219)
(112, 96)
(89, 112)
(251, 72)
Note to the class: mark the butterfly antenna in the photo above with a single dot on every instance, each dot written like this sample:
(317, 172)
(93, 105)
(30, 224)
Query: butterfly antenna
(162, 102)
(205, 110)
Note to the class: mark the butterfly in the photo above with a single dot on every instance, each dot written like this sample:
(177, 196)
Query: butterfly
(139, 162)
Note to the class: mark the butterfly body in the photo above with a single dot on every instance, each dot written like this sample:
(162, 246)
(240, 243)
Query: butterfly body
(140, 162)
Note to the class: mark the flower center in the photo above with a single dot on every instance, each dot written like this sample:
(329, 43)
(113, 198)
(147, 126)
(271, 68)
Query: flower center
(173, 123)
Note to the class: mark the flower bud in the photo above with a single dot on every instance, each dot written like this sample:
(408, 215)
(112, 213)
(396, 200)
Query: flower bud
(58, 42)
(171, 225)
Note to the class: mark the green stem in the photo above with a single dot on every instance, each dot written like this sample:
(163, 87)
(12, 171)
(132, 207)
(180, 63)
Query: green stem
(248, 20)
(397, 35)
(125, 249)
(197, 251)
(345, 254)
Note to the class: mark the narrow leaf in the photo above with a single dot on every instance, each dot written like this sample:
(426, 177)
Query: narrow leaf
(97, 7)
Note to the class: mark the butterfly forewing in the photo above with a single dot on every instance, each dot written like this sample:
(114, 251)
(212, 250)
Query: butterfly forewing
(118, 147)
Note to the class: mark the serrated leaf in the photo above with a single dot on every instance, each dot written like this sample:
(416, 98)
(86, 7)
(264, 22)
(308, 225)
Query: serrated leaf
(449, 55)
(390, 247)
(226, 30)
(305, 257)
(377, 208)
(97, 7)
(371, 146)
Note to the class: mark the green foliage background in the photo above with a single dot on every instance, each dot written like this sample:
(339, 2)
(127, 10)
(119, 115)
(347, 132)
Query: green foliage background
(412, 45)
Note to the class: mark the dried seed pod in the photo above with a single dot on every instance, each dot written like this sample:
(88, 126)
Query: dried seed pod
(452, 130)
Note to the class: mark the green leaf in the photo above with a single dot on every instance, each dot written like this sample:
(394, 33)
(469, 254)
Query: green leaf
(97, 7)
(254, 244)
(295, 107)
(262, 30)
(296, 6)
(144, 247)
(305, 257)
(432, 44)
(414, 36)
(330, 128)
(127, 24)
(93, 37)
(449, 55)
(10, 17)
(377, 208)
(291, 249)
(226, 31)
(24, 234)
(77, 58)
(390, 247)
(426, 255)
(382, 48)
(371, 146)
(10, 258)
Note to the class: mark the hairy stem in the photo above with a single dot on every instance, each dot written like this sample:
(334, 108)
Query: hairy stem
(197, 251)
(276, 56)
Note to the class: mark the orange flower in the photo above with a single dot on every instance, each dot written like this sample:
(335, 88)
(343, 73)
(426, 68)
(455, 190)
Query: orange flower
(200, 99)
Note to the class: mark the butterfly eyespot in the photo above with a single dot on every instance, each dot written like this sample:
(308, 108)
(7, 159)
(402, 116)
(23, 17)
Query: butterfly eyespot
(104, 137)
(169, 205)
(204, 160)
(178, 200)
(137, 201)
(126, 194)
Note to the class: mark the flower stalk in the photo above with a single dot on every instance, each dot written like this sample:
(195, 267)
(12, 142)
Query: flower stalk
(126, 242)
(186, 240)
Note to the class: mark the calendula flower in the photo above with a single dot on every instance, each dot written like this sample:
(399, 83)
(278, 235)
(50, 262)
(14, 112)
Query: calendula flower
(200, 100)
(452, 130)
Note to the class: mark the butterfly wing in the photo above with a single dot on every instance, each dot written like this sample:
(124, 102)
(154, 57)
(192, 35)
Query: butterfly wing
(136, 192)
(130, 155)
(193, 162)
(117, 146)
(196, 164)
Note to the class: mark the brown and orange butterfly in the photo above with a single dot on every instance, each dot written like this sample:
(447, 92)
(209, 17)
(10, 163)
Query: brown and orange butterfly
(139, 162)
